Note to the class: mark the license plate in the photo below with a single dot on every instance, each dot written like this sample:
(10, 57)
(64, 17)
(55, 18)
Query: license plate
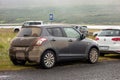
(20, 48)
(20, 55)
(104, 47)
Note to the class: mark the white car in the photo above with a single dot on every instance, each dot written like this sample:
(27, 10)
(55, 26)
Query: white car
(28, 23)
(109, 41)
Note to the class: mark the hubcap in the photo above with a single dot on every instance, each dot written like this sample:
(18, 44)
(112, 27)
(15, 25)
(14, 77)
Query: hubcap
(93, 55)
(49, 59)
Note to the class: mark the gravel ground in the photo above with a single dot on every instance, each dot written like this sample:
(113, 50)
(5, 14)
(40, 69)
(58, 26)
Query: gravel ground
(107, 70)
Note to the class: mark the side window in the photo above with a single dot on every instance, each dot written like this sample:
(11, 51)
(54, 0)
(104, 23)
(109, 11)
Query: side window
(71, 33)
(55, 32)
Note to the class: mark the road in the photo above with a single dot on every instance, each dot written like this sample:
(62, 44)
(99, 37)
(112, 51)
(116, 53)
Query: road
(107, 70)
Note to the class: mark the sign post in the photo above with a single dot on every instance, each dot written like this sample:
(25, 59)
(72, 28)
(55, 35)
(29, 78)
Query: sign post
(51, 18)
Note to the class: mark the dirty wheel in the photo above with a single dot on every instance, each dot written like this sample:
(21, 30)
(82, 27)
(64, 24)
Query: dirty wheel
(93, 55)
(17, 62)
(48, 59)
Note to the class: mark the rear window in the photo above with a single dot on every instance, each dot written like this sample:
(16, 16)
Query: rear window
(109, 33)
(29, 32)
(55, 32)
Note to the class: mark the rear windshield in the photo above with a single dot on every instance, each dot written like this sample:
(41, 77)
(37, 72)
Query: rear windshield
(29, 32)
(109, 33)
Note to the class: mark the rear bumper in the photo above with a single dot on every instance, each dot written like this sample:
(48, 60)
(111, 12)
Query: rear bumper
(32, 55)
(107, 48)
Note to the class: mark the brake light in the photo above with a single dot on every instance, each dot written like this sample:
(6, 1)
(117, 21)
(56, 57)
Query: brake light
(96, 39)
(116, 39)
(40, 41)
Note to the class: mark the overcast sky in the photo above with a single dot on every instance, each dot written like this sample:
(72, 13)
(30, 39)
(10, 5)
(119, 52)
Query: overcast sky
(35, 3)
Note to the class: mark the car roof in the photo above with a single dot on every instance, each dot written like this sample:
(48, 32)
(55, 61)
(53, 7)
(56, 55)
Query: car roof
(113, 28)
(80, 26)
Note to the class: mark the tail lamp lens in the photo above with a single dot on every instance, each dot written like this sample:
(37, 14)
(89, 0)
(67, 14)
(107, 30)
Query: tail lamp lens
(96, 38)
(40, 41)
(115, 39)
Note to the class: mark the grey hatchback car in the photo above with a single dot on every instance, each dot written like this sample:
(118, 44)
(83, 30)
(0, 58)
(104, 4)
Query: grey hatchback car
(48, 44)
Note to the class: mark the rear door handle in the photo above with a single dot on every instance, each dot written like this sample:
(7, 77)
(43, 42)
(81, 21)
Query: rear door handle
(70, 40)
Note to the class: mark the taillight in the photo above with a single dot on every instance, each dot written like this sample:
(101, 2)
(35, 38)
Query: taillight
(40, 41)
(116, 39)
(96, 38)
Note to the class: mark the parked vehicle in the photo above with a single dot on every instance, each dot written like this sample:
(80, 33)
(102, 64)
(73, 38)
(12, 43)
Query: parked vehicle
(49, 44)
(28, 23)
(82, 29)
(109, 41)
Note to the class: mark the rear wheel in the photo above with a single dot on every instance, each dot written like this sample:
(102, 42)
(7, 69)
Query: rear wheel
(93, 55)
(17, 62)
(48, 59)
(16, 30)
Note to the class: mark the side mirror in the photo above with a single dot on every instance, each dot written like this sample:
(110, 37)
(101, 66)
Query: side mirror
(82, 36)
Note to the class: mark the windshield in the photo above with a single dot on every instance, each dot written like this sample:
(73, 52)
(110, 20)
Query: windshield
(29, 32)
(109, 33)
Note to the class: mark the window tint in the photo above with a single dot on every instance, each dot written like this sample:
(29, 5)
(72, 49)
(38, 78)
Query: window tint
(55, 32)
(34, 23)
(29, 32)
(110, 33)
(71, 33)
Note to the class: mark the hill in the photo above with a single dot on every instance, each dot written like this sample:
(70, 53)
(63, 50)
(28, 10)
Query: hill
(85, 14)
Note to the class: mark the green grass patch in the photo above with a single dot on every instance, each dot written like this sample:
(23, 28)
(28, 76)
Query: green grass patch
(6, 35)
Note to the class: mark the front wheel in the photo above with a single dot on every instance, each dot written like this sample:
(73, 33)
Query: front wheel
(93, 55)
(48, 59)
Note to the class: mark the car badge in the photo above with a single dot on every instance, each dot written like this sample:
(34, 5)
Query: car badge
(104, 39)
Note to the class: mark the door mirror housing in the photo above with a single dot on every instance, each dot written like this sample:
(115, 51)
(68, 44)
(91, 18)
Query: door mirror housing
(82, 37)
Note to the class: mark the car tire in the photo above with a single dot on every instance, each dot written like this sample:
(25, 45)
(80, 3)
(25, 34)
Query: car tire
(93, 55)
(17, 62)
(16, 30)
(48, 59)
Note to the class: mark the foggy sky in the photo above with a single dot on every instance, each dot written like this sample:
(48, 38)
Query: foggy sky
(38, 3)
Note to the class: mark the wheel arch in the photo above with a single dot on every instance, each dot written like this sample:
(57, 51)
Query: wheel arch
(97, 49)
(50, 49)
(94, 46)
(16, 30)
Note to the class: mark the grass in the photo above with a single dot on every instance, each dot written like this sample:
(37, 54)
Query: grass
(6, 35)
